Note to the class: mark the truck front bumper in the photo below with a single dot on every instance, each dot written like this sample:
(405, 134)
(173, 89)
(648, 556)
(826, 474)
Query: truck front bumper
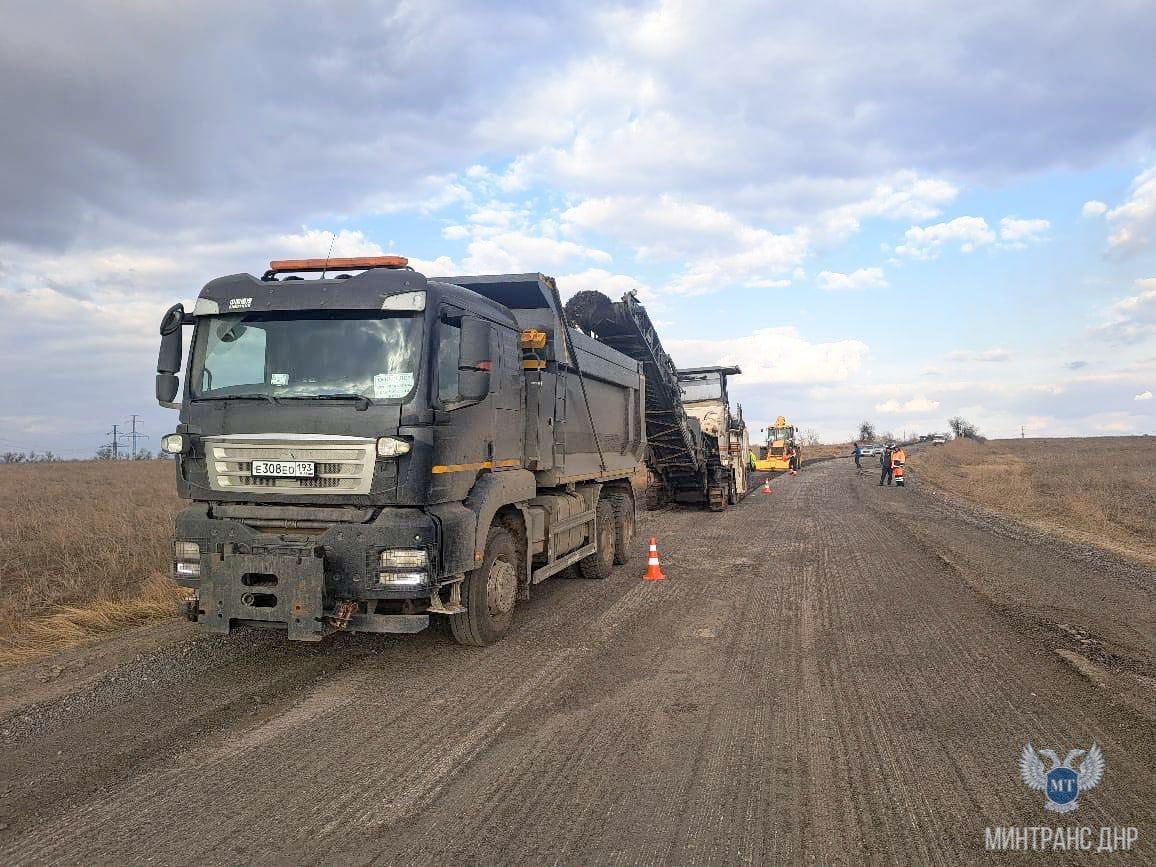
(312, 587)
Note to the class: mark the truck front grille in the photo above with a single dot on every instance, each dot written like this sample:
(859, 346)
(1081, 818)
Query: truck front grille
(343, 464)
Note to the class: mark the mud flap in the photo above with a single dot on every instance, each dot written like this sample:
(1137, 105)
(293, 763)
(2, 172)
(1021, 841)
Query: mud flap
(277, 588)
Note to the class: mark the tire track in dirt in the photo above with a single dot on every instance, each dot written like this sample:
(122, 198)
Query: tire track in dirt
(810, 685)
(167, 793)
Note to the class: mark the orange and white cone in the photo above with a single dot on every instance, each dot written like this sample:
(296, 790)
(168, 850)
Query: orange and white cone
(653, 567)
(767, 485)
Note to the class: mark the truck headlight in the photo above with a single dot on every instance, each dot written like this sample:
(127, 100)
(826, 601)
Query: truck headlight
(186, 559)
(187, 550)
(173, 444)
(403, 579)
(403, 567)
(403, 558)
(391, 447)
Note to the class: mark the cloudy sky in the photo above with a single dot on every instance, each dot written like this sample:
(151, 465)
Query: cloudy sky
(895, 211)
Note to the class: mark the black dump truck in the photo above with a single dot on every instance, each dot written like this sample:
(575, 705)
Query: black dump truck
(369, 448)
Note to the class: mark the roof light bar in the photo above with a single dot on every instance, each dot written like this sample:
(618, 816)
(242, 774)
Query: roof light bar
(282, 265)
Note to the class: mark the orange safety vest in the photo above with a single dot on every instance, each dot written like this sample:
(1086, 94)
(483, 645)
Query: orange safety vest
(898, 457)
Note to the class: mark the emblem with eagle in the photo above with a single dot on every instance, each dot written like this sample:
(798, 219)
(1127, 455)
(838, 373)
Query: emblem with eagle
(1062, 783)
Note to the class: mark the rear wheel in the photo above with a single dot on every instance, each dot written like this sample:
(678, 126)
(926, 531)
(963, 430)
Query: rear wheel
(624, 526)
(599, 564)
(489, 593)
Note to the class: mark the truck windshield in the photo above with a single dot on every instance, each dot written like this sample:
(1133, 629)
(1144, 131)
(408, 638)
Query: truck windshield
(306, 354)
(705, 387)
(780, 433)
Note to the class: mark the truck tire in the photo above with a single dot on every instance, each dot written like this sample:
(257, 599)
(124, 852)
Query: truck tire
(489, 593)
(599, 564)
(624, 526)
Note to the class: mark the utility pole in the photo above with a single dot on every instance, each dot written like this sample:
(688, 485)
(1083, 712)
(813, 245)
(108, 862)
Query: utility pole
(135, 435)
(1021, 431)
(116, 438)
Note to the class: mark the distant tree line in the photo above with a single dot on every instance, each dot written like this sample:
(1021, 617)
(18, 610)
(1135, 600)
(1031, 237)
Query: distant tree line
(102, 454)
(960, 427)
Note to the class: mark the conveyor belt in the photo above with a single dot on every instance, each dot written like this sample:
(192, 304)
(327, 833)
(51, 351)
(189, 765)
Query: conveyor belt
(676, 452)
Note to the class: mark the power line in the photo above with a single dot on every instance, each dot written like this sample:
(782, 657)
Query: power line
(135, 435)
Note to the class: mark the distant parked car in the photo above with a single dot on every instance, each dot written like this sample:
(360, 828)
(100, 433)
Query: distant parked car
(870, 450)
(939, 441)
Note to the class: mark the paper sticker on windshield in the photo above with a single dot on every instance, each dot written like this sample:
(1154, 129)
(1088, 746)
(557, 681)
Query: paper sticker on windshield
(279, 379)
(389, 385)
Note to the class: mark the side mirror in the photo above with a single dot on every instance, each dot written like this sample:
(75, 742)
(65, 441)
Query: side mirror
(474, 358)
(169, 357)
(167, 384)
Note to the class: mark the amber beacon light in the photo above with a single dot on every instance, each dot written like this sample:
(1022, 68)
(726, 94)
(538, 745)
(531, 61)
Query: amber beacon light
(338, 264)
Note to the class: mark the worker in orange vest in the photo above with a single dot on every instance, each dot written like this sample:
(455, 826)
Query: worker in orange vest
(898, 460)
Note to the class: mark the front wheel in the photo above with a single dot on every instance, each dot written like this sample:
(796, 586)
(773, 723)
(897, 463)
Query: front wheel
(489, 593)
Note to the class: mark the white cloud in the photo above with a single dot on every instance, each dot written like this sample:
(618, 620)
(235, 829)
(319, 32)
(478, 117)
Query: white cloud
(1144, 395)
(315, 244)
(910, 407)
(1094, 209)
(715, 248)
(904, 196)
(1134, 221)
(775, 355)
(521, 251)
(925, 242)
(1131, 319)
(612, 285)
(862, 278)
(1017, 234)
(987, 355)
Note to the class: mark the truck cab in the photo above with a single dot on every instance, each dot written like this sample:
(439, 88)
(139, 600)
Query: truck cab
(364, 451)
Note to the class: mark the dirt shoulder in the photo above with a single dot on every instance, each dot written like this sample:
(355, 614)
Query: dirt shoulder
(1079, 600)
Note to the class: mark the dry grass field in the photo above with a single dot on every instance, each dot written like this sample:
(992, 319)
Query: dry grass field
(84, 549)
(1099, 491)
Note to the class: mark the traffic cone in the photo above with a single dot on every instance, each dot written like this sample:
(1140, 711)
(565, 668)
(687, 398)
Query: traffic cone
(653, 567)
(767, 485)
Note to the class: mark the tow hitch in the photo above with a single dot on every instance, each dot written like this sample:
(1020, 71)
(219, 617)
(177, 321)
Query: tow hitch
(343, 612)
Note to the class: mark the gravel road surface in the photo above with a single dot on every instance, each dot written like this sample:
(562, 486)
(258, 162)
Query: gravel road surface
(834, 673)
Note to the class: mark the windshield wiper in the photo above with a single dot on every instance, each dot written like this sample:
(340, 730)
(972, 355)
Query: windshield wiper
(254, 396)
(365, 402)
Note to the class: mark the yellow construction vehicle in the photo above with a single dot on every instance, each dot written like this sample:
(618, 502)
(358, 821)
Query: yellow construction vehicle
(783, 450)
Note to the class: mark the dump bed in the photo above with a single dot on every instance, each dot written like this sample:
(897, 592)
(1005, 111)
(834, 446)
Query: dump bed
(585, 401)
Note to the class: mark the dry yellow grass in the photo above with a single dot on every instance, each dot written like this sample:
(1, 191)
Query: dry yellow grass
(1099, 491)
(84, 549)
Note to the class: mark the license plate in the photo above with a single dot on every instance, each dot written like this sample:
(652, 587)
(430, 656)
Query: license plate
(285, 469)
